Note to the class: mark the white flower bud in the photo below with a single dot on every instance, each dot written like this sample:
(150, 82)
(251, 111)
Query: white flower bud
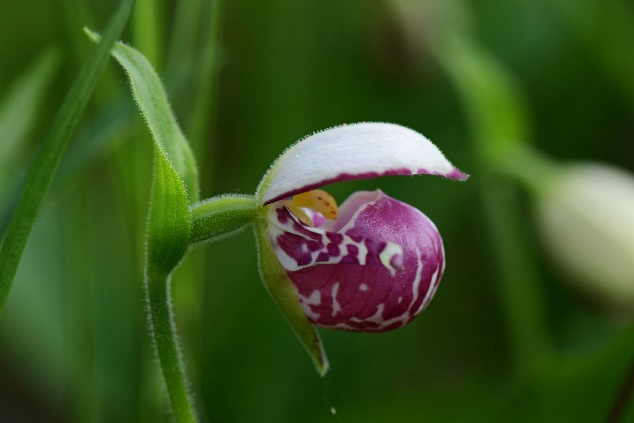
(586, 216)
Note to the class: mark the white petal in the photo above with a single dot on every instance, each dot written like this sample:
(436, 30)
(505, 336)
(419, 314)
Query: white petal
(357, 151)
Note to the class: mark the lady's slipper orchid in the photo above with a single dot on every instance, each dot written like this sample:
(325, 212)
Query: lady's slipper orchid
(370, 265)
(372, 271)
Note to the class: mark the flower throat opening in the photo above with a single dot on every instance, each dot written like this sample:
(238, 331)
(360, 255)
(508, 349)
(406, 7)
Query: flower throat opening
(316, 200)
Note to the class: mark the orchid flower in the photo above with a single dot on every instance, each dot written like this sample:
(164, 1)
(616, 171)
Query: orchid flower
(372, 264)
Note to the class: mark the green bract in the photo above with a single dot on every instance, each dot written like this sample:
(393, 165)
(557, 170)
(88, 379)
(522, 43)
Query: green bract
(174, 188)
(150, 96)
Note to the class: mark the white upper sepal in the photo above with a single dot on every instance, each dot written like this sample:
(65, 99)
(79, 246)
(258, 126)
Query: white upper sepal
(348, 152)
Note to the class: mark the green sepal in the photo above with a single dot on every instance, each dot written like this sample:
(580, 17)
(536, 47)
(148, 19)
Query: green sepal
(218, 217)
(284, 294)
(150, 96)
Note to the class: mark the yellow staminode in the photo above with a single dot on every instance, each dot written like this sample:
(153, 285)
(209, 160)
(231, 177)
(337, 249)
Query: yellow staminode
(317, 200)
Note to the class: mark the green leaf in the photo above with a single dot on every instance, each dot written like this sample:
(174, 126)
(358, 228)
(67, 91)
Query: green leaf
(150, 96)
(222, 216)
(175, 185)
(40, 175)
(284, 295)
(167, 241)
(169, 223)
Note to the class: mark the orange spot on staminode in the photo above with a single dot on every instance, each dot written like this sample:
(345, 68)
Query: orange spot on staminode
(317, 200)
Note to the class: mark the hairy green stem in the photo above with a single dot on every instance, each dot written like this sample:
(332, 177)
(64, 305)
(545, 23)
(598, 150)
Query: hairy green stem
(221, 216)
(40, 175)
(164, 336)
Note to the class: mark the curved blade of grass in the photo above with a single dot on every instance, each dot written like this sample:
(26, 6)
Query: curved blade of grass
(40, 175)
(168, 236)
(150, 96)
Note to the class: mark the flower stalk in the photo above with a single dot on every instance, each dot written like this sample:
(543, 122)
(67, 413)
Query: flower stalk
(221, 216)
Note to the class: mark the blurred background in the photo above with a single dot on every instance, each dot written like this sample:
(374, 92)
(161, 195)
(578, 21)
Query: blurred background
(510, 336)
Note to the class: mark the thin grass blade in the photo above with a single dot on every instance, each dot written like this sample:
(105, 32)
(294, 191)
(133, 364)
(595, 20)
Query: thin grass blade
(40, 175)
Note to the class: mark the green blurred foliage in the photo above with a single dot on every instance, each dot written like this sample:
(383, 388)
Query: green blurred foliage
(73, 341)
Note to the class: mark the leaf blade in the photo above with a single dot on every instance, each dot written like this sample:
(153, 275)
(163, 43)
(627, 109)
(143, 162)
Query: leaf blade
(150, 96)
